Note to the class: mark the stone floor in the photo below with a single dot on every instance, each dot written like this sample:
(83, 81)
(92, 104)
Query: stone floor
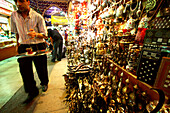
(12, 92)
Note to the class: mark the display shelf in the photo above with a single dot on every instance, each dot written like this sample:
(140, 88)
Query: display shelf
(7, 52)
(6, 42)
(163, 76)
(123, 53)
(153, 95)
(8, 45)
(7, 48)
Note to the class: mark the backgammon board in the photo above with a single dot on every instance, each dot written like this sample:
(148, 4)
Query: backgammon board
(155, 42)
(162, 23)
(157, 37)
(148, 66)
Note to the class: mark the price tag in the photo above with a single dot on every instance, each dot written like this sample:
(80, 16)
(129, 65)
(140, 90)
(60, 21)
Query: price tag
(159, 40)
(153, 54)
(169, 41)
(145, 53)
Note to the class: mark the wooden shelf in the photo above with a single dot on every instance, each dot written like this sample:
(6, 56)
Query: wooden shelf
(7, 52)
(153, 95)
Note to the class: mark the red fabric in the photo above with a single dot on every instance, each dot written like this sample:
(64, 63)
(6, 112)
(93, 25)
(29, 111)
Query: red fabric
(124, 30)
(140, 35)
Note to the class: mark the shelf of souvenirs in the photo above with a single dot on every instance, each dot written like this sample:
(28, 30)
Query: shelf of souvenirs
(102, 8)
(7, 43)
(90, 14)
(109, 12)
(120, 76)
(102, 64)
(133, 79)
(125, 38)
(100, 12)
(124, 41)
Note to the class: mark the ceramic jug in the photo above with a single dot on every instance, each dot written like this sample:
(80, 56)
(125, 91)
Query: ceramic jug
(130, 23)
(119, 11)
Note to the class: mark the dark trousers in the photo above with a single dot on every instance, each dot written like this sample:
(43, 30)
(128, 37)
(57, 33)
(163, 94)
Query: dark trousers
(26, 68)
(57, 51)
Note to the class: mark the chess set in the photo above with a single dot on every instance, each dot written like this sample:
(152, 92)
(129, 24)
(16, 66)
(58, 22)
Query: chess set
(148, 66)
(162, 22)
(157, 37)
(156, 41)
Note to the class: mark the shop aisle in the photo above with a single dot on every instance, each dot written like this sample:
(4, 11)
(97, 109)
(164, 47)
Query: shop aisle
(47, 102)
(52, 100)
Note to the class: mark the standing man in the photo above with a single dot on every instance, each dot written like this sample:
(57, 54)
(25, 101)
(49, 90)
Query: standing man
(30, 30)
(66, 37)
(57, 42)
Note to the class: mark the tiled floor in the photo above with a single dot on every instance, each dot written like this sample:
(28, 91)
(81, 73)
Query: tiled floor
(10, 79)
(12, 93)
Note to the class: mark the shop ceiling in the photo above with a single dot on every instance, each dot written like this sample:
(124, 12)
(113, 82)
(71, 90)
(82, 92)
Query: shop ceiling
(42, 5)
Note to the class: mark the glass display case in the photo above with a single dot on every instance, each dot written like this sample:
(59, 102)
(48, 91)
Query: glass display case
(7, 40)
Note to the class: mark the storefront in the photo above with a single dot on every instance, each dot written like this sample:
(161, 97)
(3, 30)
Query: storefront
(7, 40)
(116, 69)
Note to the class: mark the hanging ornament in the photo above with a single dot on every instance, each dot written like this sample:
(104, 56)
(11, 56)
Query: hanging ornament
(132, 11)
(150, 4)
(138, 13)
(119, 11)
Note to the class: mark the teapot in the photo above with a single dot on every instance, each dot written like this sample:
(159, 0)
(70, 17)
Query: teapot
(130, 23)
(119, 11)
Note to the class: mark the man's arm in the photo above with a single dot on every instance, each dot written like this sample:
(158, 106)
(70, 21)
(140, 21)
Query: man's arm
(17, 38)
(40, 35)
(18, 44)
(41, 28)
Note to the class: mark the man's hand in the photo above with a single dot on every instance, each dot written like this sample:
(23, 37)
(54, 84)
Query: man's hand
(32, 33)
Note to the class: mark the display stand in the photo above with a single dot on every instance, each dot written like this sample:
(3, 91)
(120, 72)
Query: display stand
(7, 52)
(163, 76)
(153, 95)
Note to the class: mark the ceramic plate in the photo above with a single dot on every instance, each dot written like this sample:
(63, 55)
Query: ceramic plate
(30, 54)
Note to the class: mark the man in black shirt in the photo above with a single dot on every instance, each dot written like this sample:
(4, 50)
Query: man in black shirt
(57, 42)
